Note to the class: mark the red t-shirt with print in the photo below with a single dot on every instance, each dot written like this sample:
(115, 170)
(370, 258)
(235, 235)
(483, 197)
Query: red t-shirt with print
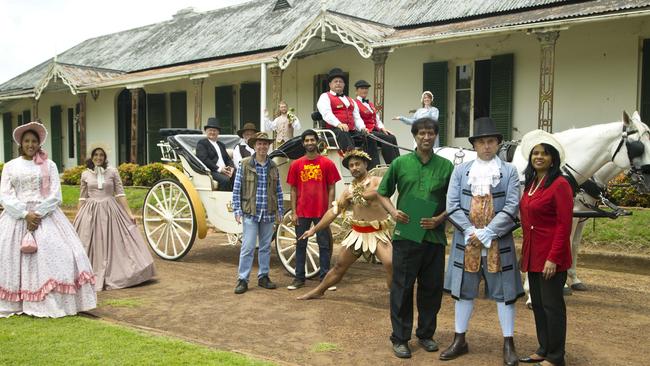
(311, 178)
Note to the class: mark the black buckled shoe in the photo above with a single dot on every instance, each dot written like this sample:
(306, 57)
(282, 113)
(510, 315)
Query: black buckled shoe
(265, 282)
(457, 348)
(402, 350)
(509, 352)
(428, 344)
(242, 286)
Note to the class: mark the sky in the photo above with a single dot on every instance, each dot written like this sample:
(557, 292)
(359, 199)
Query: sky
(32, 31)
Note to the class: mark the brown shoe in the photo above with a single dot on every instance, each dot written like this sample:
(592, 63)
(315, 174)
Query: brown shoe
(457, 348)
(509, 352)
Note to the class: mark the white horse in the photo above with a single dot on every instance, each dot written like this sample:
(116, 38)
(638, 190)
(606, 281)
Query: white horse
(600, 150)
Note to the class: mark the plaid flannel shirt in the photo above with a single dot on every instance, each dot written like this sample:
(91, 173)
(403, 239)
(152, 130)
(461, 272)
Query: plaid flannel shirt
(261, 196)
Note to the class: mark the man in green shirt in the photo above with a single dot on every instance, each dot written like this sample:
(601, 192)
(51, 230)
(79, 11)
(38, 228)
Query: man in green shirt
(419, 176)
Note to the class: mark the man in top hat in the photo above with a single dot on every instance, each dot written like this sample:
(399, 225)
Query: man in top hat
(370, 233)
(482, 204)
(242, 150)
(213, 154)
(340, 112)
(373, 124)
(257, 202)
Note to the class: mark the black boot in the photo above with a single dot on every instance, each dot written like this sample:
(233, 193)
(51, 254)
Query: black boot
(509, 352)
(457, 348)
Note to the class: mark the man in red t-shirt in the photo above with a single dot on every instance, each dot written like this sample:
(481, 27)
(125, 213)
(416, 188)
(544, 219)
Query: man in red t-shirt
(312, 179)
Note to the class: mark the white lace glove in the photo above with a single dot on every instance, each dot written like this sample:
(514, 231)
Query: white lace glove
(468, 232)
(485, 235)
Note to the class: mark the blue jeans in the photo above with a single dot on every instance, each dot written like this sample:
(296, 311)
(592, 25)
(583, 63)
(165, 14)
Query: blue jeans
(324, 241)
(252, 231)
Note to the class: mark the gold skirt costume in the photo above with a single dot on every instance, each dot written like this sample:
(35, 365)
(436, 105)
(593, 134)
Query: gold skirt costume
(365, 236)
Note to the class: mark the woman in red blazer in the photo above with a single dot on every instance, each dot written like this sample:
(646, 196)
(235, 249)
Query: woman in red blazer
(546, 210)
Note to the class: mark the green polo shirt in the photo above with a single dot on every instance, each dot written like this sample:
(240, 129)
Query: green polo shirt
(427, 181)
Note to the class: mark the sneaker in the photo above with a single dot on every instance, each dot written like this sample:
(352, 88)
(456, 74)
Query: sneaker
(266, 283)
(296, 284)
(331, 288)
(429, 344)
(401, 350)
(242, 286)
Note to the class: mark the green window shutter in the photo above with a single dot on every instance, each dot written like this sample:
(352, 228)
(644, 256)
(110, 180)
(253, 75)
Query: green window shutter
(27, 116)
(56, 136)
(8, 141)
(71, 136)
(501, 82)
(434, 79)
(249, 104)
(645, 82)
(156, 119)
(178, 106)
(224, 107)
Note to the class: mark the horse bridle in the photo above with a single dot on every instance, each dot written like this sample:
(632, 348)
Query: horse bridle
(634, 148)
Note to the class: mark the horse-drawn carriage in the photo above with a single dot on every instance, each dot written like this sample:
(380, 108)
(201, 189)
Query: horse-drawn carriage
(177, 211)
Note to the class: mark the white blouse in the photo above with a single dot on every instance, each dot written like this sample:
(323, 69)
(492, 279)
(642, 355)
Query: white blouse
(20, 188)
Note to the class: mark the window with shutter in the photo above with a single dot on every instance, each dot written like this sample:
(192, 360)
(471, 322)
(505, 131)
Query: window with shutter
(434, 79)
(249, 104)
(156, 119)
(7, 130)
(56, 136)
(178, 109)
(645, 82)
(224, 107)
(27, 116)
(501, 82)
(71, 135)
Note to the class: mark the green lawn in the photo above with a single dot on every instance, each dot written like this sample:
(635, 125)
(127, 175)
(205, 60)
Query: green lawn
(631, 232)
(135, 196)
(80, 341)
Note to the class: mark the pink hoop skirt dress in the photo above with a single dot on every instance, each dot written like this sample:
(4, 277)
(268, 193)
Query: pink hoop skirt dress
(55, 281)
(118, 253)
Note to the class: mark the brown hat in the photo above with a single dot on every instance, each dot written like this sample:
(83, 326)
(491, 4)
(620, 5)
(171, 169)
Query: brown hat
(248, 126)
(260, 136)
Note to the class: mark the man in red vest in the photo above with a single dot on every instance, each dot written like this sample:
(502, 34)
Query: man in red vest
(373, 124)
(339, 112)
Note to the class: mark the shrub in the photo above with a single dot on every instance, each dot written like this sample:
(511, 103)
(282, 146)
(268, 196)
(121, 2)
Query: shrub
(622, 193)
(72, 176)
(2, 165)
(126, 171)
(147, 175)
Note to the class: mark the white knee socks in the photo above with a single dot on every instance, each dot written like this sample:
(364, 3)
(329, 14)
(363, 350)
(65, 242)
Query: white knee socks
(463, 312)
(506, 318)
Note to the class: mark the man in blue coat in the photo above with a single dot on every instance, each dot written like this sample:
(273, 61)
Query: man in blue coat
(482, 203)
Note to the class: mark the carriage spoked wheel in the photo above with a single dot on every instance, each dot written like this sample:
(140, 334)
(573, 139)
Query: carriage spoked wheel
(285, 246)
(169, 221)
(233, 239)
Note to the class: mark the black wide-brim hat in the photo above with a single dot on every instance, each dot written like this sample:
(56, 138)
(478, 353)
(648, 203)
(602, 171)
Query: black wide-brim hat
(213, 123)
(335, 73)
(485, 127)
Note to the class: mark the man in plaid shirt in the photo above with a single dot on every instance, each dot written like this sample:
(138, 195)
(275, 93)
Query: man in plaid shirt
(257, 202)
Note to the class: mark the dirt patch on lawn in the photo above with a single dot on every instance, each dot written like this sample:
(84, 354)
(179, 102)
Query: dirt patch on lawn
(194, 299)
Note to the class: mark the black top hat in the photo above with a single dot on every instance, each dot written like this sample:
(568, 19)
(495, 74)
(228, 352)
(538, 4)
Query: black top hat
(335, 73)
(316, 116)
(362, 84)
(213, 122)
(485, 127)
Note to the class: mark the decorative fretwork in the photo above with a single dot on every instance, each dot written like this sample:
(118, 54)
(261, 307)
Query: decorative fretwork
(55, 73)
(379, 57)
(135, 98)
(198, 102)
(276, 87)
(323, 24)
(547, 42)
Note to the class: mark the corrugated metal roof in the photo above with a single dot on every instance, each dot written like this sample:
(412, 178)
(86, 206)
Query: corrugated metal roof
(254, 27)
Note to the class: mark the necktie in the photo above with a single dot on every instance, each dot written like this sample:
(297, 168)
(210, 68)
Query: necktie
(365, 100)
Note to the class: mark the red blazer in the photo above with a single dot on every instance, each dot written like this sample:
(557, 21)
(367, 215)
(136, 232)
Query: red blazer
(546, 219)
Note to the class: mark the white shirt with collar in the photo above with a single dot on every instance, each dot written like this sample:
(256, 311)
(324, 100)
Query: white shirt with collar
(325, 108)
(221, 163)
(236, 155)
(379, 124)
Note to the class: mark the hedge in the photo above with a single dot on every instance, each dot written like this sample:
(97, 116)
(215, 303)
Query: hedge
(131, 174)
(622, 193)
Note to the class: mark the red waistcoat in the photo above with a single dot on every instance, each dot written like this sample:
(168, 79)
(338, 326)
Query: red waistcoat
(546, 220)
(343, 114)
(369, 116)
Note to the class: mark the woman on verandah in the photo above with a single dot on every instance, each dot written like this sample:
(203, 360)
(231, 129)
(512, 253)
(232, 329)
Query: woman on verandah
(57, 279)
(426, 111)
(107, 228)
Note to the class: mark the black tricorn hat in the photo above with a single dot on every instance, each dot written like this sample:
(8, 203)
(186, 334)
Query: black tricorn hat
(213, 122)
(362, 84)
(335, 73)
(485, 127)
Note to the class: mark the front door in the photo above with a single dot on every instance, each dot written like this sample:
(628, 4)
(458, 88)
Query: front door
(156, 119)
(470, 98)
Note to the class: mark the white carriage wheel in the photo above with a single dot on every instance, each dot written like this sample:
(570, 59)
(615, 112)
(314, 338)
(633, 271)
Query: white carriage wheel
(169, 222)
(233, 239)
(285, 246)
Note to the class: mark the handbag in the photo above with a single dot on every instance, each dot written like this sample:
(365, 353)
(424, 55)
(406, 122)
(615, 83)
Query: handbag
(28, 244)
